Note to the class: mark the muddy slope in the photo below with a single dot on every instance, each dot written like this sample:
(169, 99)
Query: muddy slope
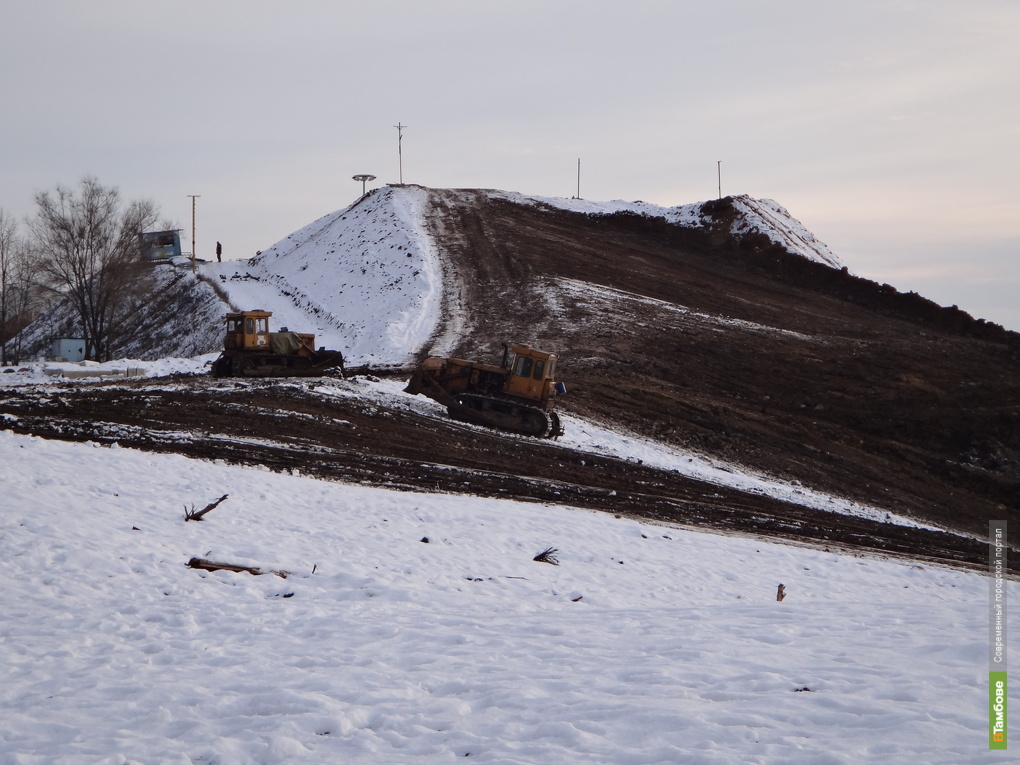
(735, 347)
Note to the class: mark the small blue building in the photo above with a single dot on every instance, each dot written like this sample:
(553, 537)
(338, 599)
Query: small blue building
(68, 349)
(159, 246)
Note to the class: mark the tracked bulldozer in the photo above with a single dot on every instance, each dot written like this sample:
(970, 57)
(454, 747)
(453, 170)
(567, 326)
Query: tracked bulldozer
(251, 350)
(517, 396)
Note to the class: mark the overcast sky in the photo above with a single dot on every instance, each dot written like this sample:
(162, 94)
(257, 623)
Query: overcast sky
(889, 128)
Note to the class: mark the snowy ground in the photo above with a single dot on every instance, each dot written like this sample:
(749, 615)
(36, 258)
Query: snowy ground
(42, 372)
(646, 644)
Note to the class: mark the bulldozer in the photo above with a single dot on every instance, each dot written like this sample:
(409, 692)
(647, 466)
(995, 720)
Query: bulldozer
(517, 396)
(251, 350)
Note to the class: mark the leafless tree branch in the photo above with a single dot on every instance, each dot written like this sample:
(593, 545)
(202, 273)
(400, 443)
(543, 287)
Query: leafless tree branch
(88, 248)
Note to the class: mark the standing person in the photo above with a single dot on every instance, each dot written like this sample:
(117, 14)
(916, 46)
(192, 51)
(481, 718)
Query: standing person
(219, 252)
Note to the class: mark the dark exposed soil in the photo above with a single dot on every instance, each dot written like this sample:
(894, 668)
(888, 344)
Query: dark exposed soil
(729, 346)
(857, 389)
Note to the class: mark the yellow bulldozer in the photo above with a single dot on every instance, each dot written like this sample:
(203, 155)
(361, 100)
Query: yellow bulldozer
(517, 396)
(251, 350)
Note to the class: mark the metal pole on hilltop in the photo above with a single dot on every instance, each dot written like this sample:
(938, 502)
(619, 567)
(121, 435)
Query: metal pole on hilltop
(718, 170)
(364, 178)
(400, 150)
(193, 248)
(578, 177)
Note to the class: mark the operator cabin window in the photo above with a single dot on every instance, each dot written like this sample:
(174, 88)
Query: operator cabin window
(539, 369)
(249, 326)
(262, 326)
(523, 367)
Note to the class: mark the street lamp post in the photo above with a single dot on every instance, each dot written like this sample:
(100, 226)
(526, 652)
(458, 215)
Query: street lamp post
(364, 178)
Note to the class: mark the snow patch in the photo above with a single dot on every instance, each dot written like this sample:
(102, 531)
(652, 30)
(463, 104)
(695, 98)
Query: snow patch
(645, 644)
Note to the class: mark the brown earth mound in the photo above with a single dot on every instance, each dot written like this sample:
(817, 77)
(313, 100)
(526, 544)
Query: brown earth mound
(740, 349)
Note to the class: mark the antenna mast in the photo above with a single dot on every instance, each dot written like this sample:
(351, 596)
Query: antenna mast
(400, 150)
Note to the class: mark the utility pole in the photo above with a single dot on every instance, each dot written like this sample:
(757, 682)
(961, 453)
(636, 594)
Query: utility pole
(718, 170)
(193, 198)
(400, 150)
(578, 178)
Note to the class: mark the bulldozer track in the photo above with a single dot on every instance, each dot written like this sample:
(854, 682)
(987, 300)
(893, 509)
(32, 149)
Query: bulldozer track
(524, 414)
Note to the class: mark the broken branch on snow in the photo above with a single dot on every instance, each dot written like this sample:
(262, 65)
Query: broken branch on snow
(191, 515)
(548, 555)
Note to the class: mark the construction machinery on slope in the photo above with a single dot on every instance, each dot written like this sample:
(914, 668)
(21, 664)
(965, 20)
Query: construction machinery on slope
(517, 396)
(251, 350)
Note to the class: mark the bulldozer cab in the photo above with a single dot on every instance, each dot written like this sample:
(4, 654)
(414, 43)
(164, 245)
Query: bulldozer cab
(247, 330)
(531, 374)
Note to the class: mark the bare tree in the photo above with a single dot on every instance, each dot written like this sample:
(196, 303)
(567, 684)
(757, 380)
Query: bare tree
(8, 239)
(16, 289)
(25, 299)
(89, 253)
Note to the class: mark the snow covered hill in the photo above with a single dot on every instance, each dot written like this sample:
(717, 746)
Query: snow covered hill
(178, 315)
(367, 279)
(370, 281)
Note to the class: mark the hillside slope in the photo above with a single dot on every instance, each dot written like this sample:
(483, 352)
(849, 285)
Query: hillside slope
(176, 313)
(724, 327)
(733, 345)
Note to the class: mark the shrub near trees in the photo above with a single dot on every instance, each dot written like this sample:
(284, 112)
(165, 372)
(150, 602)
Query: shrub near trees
(85, 248)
